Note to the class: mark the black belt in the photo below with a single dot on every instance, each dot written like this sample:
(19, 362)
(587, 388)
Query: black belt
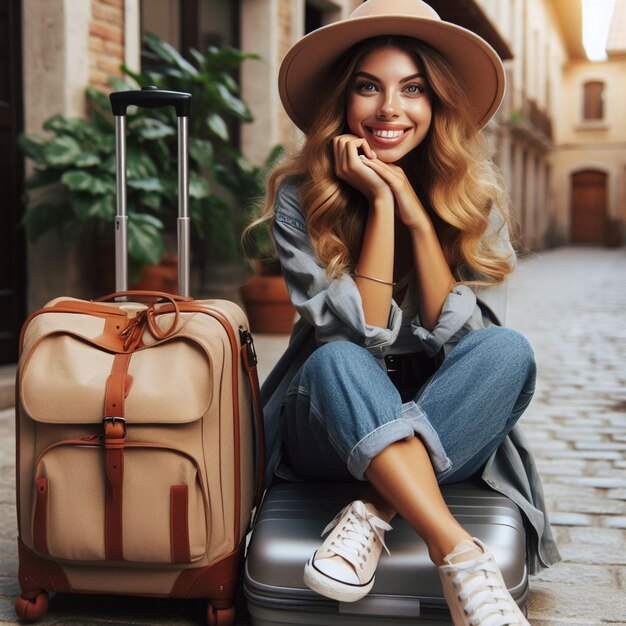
(408, 372)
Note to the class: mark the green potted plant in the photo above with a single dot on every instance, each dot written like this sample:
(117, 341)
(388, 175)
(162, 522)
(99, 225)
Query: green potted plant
(72, 187)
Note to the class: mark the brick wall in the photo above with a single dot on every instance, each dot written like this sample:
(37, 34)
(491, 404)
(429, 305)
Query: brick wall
(106, 42)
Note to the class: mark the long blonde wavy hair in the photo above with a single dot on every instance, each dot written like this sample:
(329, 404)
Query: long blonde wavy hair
(450, 171)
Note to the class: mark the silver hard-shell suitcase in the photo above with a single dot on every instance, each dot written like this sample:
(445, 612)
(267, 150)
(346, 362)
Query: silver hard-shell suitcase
(407, 588)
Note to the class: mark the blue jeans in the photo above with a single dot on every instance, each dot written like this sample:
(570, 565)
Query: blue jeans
(341, 409)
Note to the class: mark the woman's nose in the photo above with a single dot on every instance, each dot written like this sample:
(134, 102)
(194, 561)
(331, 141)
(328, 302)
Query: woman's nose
(389, 106)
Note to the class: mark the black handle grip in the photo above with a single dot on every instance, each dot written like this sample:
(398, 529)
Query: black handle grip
(151, 97)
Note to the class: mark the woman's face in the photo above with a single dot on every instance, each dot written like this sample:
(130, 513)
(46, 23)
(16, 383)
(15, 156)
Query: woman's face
(389, 103)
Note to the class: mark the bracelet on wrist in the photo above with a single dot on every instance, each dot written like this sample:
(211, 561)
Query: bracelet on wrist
(376, 280)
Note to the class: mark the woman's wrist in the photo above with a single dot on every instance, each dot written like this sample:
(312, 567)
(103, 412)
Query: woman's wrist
(382, 202)
(421, 227)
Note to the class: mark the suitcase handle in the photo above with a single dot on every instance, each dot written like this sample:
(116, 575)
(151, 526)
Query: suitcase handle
(133, 332)
(138, 294)
(151, 97)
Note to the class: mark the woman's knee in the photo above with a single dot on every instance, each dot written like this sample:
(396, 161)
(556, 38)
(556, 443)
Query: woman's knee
(506, 350)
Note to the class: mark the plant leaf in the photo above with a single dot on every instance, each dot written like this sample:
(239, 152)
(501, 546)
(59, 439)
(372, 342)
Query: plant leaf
(61, 125)
(61, 151)
(198, 56)
(151, 128)
(145, 241)
(80, 180)
(139, 164)
(98, 98)
(217, 126)
(201, 151)
(87, 159)
(140, 79)
(229, 82)
(32, 146)
(120, 84)
(169, 53)
(151, 200)
(198, 186)
(147, 184)
(234, 104)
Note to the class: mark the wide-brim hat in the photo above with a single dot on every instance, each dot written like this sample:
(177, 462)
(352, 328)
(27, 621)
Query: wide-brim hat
(305, 69)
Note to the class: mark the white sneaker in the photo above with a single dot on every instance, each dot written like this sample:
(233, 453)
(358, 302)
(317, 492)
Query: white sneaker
(343, 567)
(474, 588)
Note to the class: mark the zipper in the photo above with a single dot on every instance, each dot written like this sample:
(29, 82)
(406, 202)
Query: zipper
(245, 337)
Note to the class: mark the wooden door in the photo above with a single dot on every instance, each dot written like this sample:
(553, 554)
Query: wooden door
(12, 255)
(589, 207)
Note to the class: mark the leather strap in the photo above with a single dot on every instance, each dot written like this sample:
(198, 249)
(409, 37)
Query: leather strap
(249, 360)
(117, 387)
(40, 517)
(179, 524)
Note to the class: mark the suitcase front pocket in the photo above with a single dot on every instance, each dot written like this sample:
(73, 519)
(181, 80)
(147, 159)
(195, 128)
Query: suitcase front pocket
(163, 504)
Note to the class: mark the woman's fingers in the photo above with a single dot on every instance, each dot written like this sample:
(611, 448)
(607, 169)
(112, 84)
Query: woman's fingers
(346, 153)
(349, 165)
(386, 172)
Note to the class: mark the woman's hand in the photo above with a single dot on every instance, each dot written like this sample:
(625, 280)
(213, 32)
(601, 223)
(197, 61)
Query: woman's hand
(408, 205)
(350, 167)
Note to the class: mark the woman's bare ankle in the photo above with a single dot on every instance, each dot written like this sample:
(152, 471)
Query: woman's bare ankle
(442, 544)
(387, 512)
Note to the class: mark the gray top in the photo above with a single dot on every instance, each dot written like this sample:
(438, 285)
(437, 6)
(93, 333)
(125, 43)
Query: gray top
(331, 309)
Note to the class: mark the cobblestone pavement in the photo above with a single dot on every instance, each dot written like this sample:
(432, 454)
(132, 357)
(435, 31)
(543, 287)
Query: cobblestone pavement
(571, 304)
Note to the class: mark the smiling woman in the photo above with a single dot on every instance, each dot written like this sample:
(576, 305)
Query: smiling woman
(386, 222)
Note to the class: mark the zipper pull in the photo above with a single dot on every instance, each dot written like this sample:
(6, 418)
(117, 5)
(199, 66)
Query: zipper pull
(246, 338)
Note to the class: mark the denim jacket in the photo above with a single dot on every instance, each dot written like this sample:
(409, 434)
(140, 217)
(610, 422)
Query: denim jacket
(331, 309)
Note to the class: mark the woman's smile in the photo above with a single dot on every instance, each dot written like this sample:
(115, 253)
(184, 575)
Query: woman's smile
(385, 136)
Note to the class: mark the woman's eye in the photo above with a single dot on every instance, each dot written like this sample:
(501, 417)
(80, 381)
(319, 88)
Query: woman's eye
(366, 87)
(414, 89)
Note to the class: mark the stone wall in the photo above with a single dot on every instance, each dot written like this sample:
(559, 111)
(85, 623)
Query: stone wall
(106, 42)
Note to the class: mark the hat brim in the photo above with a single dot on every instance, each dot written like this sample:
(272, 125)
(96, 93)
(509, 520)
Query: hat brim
(305, 68)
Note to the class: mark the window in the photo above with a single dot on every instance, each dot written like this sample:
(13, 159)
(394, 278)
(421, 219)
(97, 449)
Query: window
(593, 100)
(192, 23)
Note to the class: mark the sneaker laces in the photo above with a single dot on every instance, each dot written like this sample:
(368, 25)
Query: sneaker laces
(488, 602)
(353, 537)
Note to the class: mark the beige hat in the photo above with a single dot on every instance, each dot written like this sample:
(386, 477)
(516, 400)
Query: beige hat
(305, 68)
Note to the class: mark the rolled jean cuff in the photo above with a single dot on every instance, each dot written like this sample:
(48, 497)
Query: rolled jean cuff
(412, 421)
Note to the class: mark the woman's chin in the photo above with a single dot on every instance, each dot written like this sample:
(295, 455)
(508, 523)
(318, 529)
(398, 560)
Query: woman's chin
(391, 159)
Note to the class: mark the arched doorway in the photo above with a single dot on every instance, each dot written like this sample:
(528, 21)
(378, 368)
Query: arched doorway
(589, 207)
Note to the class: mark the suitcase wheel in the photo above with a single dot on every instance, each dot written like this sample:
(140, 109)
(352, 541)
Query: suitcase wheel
(31, 609)
(220, 617)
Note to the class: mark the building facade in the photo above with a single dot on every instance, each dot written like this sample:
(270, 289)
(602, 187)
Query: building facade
(590, 158)
(559, 137)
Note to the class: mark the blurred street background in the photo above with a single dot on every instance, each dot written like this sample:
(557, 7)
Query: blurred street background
(559, 139)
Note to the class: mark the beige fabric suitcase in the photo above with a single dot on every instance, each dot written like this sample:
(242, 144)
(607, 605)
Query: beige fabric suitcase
(136, 449)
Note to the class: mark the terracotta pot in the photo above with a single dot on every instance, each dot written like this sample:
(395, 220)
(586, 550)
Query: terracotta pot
(267, 305)
(161, 277)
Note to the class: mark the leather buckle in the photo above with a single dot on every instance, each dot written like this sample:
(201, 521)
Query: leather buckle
(391, 363)
(111, 427)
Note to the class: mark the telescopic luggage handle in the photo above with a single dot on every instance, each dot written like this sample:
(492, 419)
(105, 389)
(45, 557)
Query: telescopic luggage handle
(151, 97)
